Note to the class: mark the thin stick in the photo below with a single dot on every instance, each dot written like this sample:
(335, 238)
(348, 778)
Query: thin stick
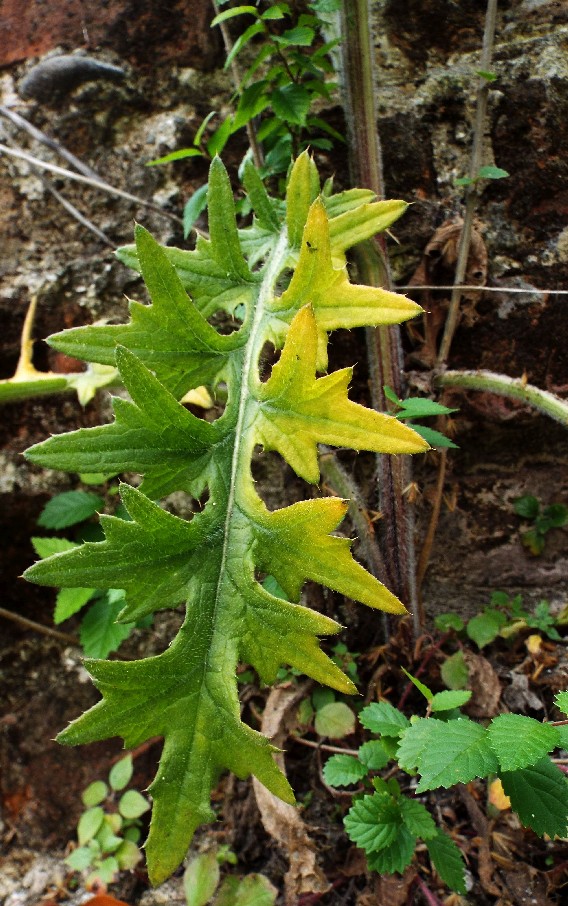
(489, 289)
(84, 221)
(461, 266)
(38, 627)
(95, 183)
(48, 141)
(430, 897)
(471, 192)
(322, 745)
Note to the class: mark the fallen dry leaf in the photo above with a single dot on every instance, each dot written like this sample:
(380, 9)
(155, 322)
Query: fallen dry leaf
(497, 796)
(437, 268)
(283, 821)
(485, 686)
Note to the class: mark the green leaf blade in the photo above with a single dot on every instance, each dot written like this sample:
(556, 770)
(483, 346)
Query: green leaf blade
(446, 753)
(384, 718)
(343, 770)
(448, 861)
(520, 741)
(539, 795)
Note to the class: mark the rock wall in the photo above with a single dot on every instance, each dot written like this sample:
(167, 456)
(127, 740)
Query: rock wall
(427, 53)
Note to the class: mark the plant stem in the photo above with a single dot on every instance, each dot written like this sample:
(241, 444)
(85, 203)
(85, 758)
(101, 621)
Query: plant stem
(383, 344)
(345, 486)
(471, 191)
(424, 557)
(323, 746)
(38, 627)
(461, 265)
(255, 146)
(512, 388)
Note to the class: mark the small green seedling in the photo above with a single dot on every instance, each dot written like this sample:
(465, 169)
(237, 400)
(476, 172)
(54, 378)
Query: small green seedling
(201, 883)
(502, 618)
(421, 407)
(444, 748)
(288, 73)
(109, 829)
(543, 519)
(489, 172)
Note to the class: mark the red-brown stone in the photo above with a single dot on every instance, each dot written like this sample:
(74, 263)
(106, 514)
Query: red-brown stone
(140, 31)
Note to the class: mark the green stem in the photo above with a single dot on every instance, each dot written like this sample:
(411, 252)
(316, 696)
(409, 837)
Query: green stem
(512, 388)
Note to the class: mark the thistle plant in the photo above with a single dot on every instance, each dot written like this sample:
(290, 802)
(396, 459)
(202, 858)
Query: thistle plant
(212, 562)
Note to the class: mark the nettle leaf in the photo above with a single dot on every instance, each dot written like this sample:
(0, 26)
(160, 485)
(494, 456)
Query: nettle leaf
(373, 822)
(520, 741)
(69, 508)
(395, 857)
(418, 819)
(343, 770)
(446, 753)
(539, 795)
(560, 700)
(212, 563)
(384, 718)
(448, 861)
(374, 755)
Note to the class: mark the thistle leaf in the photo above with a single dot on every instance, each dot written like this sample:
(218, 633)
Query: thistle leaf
(211, 562)
(298, 410)
(171, 336)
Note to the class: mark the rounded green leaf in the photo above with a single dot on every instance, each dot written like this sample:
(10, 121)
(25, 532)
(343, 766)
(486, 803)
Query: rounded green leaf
(201, 878)
(448, 700)
(528, 507)
(343, 770)
(132, 804)
(105, 872)
(373, 822)
(121, 773)
(447, 621)
(80, 859)
(94, 794)
(133, 834)
(484, 628)
(89, 823)
(335, 720)
(128, 855)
